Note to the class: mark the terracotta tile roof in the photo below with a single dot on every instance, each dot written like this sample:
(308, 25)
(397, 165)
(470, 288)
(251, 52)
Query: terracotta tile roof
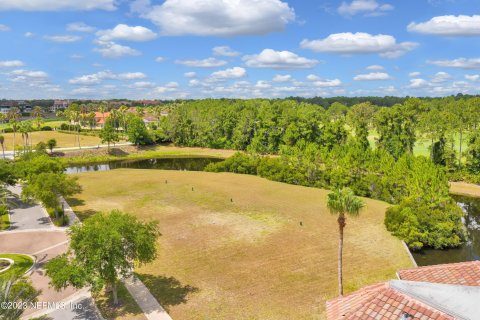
(380, 301)
(464, 273)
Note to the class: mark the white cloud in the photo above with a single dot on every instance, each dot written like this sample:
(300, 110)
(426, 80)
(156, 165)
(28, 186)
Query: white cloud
(225, 51)
(83, 91)
(190, 74)
(216, 18)
(375, 67)
(22, 75)
(233, 73)
(80, 27)
(367, 7)
(28, 34)
(142, 85)
(96, 78)
(11, 63)
(205, 63)
(76, 56)
(56, 5)
(261, 84)
(414, 74)
(63, 38)
(360, 43)
(448, 26)
(418, 83)
(312, 77)
(441, 77)
(282, 78)
(461, 63)
(4, 28)
(112, 50)
(269, 58)
(125, 32)
(159, 59)
(373, 76)
(327, 83)
(472, 77)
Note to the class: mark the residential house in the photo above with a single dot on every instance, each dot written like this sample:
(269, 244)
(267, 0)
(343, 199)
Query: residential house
(441, 292)
(59, 105)
(101, 118)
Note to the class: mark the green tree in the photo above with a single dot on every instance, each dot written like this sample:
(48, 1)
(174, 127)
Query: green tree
(52, 143)
(102, 250)
(473, 158)
(341, 202)
(108, 134)
(13, 116)
(360, 118)
(37, 114)
(137, 131)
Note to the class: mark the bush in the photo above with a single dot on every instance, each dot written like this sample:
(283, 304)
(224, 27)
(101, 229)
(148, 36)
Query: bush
(8, 130)
(46, 128)
(421, 224)
(3, 209)
(238, 163)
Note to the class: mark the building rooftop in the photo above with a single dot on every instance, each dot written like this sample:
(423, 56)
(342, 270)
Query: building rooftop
(443, 292)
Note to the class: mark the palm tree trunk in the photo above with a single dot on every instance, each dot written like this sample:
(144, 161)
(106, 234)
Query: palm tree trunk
(460, 153)
(3, 151)
(341, 225)
(114, 291)
(14, 135)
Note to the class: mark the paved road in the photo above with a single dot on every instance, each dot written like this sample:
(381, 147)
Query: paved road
(26, 216)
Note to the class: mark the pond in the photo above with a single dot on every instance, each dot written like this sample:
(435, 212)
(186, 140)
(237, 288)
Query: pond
(187, 164)
(468, 252)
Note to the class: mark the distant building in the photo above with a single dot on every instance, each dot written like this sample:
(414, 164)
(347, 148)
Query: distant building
(101, 118)
(4, 109)
(441, 292)
(59, 105)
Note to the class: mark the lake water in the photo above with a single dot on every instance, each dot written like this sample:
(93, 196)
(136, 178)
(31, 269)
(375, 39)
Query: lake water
(183, 164)
(468, 252)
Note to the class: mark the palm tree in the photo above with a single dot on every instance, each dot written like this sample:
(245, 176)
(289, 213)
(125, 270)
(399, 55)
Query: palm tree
(12, 116)
(2, 142)
(341, 202)
(123, 110)
(37, 114)
(16, 292)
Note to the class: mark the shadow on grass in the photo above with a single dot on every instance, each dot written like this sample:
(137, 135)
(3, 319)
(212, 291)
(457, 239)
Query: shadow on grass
(81, 214)
(118, 152)
(167, 290)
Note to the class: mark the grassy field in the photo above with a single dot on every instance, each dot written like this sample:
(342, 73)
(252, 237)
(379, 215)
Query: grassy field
(127, 310)
(242, 247)
(64, 140)
(21, 265)
(54, 123)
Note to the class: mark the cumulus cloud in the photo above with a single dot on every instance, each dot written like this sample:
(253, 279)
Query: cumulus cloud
(125, 32)
(205, 63)
(448, 26)
(375, 67)
(366, 7)
(142, 85)
(327, 83)
(96, 78)
(269, 58)
(225, 51)
(441, 77)
(418, 83)
(414, 74)
(472, 77)
(360, 43)
(4, 28)
(159, 59)
(112, 50)
(190, 74)
(312, 77)
(216, 18)
(63, 38)
(55, 5)
(282, 78)
(80, 27)
(11, 63)
(233, 73)
(22, 75)
(373, 76)
(460, 63)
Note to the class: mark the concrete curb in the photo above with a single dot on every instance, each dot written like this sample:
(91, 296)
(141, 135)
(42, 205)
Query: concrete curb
(410, 254)
(29, 271)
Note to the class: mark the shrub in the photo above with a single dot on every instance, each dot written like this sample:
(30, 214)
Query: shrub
(3, 209)
(8, 130)
(238, 163)
(46, 128)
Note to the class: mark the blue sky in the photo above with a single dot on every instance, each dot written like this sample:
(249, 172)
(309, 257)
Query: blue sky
(238, 48)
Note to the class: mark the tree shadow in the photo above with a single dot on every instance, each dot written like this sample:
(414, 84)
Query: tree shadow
(75, 202)
(167, 290)
(118, 152)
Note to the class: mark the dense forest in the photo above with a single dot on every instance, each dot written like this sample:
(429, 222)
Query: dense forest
(304, 143)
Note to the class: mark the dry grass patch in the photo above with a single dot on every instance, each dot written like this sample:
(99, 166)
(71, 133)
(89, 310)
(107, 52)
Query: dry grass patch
(64, 140)
(233, 246)
(465, 189)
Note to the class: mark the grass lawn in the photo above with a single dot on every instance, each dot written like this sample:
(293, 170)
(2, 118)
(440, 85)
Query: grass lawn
(4, 221)
(128, 309)
(21, 265)
(242, 247)
(64, 140)
(465, 189)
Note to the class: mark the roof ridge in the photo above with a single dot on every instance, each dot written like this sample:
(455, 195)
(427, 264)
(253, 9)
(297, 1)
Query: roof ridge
(443, 265)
